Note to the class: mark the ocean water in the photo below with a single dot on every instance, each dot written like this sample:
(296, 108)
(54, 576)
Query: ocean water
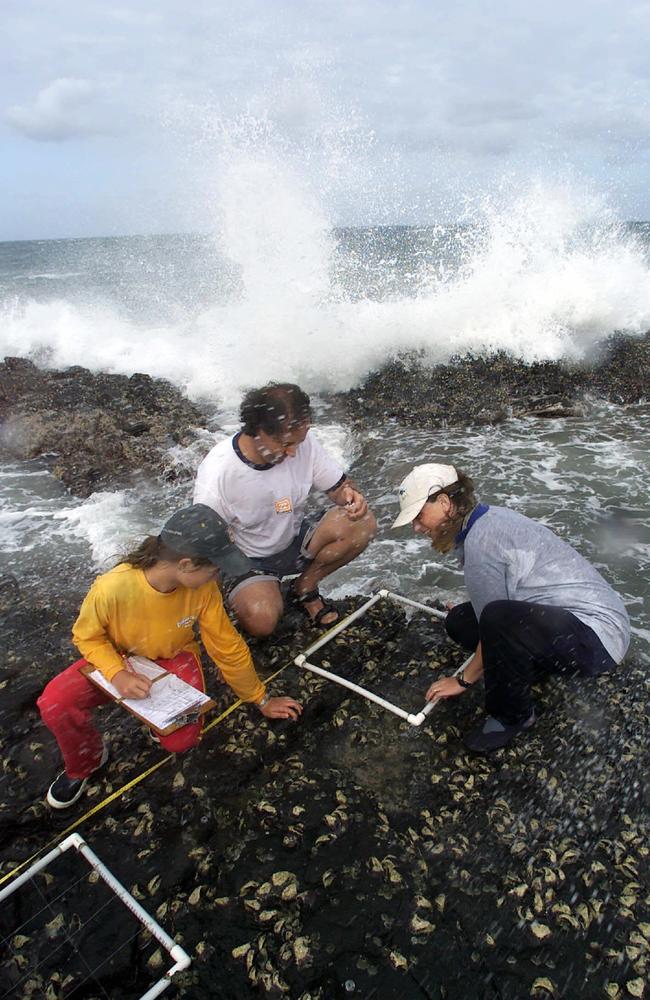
(278, 293)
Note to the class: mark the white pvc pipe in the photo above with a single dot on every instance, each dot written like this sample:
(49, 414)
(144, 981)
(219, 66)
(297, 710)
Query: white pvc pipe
(430, 705)
(341, 625)
(156, 930)
(38, 866)
(414, 604)
(302, 662)
(180, 957)
(182, 962)
(414, 720)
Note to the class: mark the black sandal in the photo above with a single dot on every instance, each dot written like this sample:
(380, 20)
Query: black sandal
(314, 595)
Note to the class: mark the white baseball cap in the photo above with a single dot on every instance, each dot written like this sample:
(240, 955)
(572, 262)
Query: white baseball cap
(421, 483)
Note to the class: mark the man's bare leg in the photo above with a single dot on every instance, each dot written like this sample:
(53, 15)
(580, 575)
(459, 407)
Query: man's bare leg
(336, 542)
(258, 607)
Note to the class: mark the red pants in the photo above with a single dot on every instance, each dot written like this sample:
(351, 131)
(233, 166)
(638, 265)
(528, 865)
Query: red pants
(66, 709)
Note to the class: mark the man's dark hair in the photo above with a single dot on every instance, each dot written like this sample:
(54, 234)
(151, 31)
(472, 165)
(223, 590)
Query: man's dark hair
(274, 409)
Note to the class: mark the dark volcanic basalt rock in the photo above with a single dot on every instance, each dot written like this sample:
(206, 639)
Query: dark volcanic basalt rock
(345, 854)
(103, 429)
(486, 390)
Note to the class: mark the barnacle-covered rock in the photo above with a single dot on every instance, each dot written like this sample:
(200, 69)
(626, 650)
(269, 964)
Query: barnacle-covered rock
(543, 987)
(280, 879)
(463, 870)
(420, 926)
(156, 960)
(301, 950)
(397, 960)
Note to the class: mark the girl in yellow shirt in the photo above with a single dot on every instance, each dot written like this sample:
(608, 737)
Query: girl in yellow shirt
(148, 606)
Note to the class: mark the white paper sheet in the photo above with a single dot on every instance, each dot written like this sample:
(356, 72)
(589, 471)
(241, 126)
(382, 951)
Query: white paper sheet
(99, 679)
(168, 699)
(142, 665)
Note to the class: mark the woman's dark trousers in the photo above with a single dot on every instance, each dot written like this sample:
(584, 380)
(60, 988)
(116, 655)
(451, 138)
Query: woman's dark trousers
(519, 640)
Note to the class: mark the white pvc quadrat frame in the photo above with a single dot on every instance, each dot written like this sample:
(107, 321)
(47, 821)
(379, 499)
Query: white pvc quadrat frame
(302, 661)
(180, 957)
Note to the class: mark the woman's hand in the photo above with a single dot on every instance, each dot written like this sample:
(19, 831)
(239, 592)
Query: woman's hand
(281, 708)
(444, 687)
(131, 684)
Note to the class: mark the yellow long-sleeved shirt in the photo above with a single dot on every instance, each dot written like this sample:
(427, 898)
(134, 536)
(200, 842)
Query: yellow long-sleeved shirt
(123, 614)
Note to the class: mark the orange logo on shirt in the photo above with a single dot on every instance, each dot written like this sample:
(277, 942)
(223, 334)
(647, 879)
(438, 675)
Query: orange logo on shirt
(283, 506)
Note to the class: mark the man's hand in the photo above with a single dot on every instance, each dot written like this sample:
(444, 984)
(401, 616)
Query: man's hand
(353, 503)
(130, 684)
(281, 708)
(444, 687)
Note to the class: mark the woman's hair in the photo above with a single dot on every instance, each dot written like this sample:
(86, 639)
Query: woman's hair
(274, 409)
(462, 495)
(461, 492)
(152, 550)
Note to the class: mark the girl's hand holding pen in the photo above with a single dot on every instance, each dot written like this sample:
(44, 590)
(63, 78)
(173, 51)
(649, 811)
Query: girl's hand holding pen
(130, 683)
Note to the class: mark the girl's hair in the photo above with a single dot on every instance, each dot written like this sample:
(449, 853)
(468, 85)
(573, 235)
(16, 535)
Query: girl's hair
(152, 550)
(462, 495)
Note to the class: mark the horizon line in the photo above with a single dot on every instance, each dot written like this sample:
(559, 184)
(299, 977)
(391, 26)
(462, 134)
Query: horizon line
(208, 233)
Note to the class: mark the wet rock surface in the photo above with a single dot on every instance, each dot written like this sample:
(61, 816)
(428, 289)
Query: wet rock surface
(345, 855)
(103, 431)
(479, 390)
(108, 431)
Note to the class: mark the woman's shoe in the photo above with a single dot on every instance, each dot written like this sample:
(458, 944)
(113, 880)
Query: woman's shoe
(493, 734)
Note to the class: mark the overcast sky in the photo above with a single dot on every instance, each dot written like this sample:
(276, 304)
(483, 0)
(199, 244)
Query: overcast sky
(125, 117)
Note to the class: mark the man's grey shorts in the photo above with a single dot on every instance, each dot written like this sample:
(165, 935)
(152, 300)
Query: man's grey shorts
(289, 562)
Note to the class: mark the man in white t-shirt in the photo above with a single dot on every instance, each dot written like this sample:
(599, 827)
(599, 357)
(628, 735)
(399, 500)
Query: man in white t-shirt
(258, 482)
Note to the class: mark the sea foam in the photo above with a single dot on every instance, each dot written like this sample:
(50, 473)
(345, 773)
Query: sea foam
(542, 277)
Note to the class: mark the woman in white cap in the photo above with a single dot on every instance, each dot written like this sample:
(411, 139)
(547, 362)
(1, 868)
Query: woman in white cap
(536, 605)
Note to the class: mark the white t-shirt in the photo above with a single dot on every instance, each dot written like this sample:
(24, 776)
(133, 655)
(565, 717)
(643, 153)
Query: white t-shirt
(263, 505)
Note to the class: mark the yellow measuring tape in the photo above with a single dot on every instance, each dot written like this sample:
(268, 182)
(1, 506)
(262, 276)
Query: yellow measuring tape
(121, 791)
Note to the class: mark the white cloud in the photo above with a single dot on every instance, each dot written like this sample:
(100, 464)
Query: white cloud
(65, 109)
(386, 107)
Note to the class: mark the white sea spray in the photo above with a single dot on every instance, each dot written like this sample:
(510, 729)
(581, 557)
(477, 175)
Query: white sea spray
(543, 277)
